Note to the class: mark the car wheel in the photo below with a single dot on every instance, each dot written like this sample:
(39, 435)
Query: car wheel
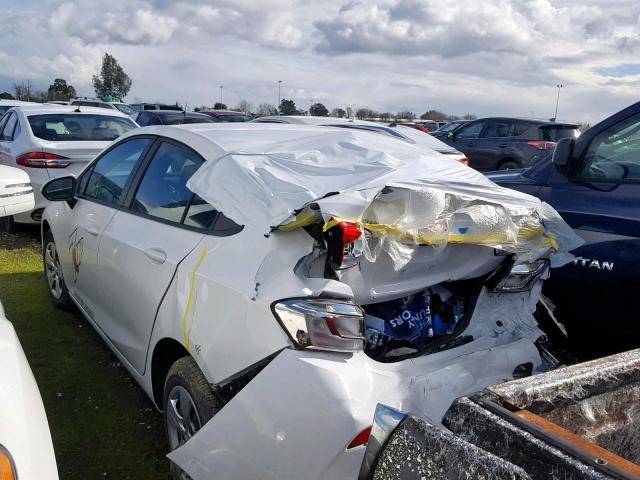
(509, 166)
(189, 403)
(53, 274)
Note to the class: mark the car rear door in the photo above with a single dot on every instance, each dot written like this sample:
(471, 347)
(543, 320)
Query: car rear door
(143, 245)
(595, 294)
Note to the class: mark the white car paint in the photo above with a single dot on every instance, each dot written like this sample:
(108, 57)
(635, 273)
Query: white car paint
(7, 104)
(141, 282)
(16, 192)
(24, 430)
(402, 132)
(78, 153)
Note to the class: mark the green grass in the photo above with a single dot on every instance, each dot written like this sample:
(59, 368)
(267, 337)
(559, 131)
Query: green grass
(102, 423)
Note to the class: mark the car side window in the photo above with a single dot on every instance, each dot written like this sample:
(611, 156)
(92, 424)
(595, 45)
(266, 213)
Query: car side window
(3, 121)
(614, 155)
(163, 191)
(111, 171)
(498, 129)
(470, 131)
(9, 127)
(200, 214)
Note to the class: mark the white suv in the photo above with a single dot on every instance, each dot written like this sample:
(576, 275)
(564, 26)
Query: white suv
(267, 285)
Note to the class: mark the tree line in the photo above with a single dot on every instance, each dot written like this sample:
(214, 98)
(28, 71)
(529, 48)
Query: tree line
(112, 83)
(288, 107)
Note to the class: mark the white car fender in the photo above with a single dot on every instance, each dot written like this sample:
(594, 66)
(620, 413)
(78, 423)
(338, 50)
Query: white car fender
(24, 430)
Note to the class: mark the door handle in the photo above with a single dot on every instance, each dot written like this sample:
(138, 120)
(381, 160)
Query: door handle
(156, 255)
(503, 145)
(92, 230)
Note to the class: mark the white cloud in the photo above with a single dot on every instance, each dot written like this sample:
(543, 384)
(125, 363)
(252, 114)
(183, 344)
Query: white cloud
(489, 57)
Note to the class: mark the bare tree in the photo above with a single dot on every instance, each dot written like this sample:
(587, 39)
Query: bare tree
(23, 90)
(265, 109)
(244, 106)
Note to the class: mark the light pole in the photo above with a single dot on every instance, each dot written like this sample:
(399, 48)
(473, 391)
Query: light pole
(559, 86)
(279, 83)
(221, 93)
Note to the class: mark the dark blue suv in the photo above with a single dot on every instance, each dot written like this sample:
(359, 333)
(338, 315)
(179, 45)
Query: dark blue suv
(594, 183)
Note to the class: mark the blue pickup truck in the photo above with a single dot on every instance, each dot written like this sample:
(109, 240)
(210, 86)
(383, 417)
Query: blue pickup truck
(594, 183)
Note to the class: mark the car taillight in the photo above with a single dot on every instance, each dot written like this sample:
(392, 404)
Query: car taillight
(541, 145)
(42, 160)
(322, 324)
(344, 244)
(7, 467)
(361, 439)
(464, 161)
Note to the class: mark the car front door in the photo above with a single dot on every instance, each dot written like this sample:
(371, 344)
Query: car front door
(466, 138)
(143, 245)
(595, 294)
(99, 193)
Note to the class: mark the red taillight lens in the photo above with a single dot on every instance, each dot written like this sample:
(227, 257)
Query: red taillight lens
(341, 244)
(464, 161)
(42, 160)
(361, 439)
(542, 145)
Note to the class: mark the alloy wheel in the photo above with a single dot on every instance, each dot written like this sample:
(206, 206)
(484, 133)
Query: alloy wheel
(53, 271)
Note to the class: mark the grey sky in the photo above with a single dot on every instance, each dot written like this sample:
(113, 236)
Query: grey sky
(501, 57)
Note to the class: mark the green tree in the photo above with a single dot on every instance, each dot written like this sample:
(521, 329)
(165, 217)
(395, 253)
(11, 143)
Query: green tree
(6, 96)
(219, 106)
(338, 112)
(112, 80)
(288, 107)
(60, 90)
(319, 110)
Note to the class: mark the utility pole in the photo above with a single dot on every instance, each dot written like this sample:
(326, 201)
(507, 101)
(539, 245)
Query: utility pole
(221, 86)
(559, 86)
(279, 83)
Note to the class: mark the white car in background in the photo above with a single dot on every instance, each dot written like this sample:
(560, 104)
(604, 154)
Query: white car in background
(399, 131)
(7, 104)
(26, 450)
(49, 141)
(247, 276)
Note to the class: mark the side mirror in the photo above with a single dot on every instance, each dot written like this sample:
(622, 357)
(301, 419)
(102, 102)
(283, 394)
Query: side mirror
(59, 189)
(16, 193)
(562, 154)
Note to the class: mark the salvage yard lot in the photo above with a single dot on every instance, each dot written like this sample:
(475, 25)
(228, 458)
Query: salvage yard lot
(102, 424)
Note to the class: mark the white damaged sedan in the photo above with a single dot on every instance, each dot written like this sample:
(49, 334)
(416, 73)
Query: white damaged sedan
(268, 286)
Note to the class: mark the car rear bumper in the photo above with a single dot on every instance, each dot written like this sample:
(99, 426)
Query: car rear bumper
(296, 418)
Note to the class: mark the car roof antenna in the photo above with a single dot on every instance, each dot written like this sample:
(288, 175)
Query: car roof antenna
(77, 110)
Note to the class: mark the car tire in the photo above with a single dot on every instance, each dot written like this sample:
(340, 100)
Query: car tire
(508, 165)
(7, 224)
(53, 274)
(186, 394)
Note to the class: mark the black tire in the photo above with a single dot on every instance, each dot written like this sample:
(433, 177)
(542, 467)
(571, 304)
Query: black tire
(7, 224)
(509, 165)
(63, 299)
(185, 374)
